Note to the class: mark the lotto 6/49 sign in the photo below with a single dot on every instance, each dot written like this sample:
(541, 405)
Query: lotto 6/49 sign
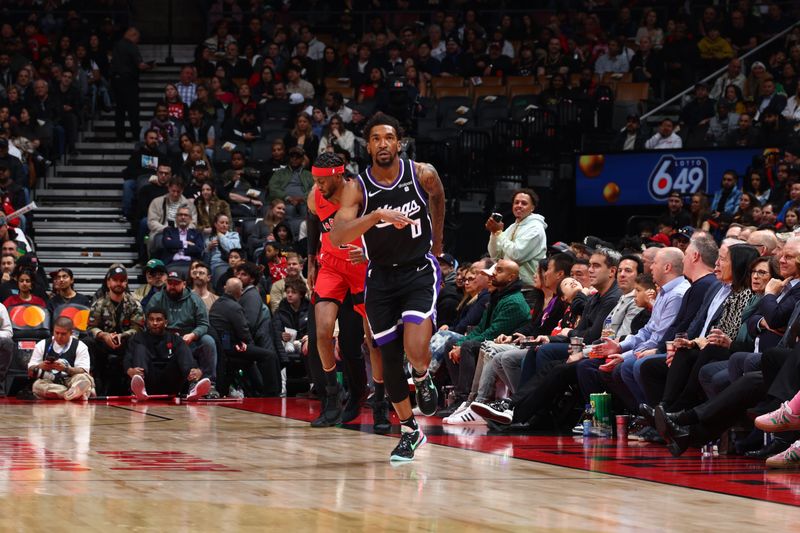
(686, 175)
(647, 178)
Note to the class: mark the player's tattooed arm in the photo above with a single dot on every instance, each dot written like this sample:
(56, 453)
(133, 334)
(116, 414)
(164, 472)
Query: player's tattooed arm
(430, 181)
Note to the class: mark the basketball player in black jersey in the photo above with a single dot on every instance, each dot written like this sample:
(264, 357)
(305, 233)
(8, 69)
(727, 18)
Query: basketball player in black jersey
(396, 206)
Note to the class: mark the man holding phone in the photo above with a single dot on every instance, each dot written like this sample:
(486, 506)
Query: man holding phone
(60, 365)
(342, 269)
(113, 319)
(524, 241)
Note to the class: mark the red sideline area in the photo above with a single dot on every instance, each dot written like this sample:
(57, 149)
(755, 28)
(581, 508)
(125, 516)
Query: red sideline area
(732, 475)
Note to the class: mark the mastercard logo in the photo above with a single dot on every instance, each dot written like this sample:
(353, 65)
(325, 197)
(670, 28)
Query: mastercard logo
(28, 317)
(77, 313)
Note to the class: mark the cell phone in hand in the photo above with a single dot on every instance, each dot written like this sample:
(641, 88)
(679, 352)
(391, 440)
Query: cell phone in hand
(497, 217)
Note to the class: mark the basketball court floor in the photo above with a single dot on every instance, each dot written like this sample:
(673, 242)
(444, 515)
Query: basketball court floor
(256, 465)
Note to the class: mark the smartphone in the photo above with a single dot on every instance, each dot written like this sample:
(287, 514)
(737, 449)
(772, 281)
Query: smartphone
(497, 217)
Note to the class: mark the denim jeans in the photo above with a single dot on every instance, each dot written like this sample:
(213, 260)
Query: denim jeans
(441, 344)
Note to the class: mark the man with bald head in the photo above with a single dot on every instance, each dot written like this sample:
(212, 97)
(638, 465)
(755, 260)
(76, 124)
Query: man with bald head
(506, 313)
(624, 358)
(230, 327)
(648, 256)
(764, 240)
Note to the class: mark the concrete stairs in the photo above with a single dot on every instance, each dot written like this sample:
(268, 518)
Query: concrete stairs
(79, 204)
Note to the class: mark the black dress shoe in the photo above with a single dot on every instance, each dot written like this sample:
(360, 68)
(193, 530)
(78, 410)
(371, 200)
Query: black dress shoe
(767, 405)
(676, 437)
(648, 414)
(773, 448)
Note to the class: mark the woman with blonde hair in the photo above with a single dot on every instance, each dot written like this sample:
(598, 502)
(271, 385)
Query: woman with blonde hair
(302, 135)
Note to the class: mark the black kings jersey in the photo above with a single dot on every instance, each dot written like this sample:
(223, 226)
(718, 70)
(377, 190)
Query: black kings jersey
(383, 243)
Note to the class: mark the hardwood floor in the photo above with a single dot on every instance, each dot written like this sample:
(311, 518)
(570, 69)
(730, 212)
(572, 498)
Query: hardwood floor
(163, 467)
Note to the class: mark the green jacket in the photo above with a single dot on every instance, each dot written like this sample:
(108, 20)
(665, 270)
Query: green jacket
(506, 313)
(280, 180)
(187, 314)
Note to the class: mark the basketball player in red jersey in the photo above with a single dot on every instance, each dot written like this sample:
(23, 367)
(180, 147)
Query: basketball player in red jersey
(341, 269)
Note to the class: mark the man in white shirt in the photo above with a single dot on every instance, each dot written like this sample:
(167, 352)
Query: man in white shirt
(60, 365)
(6, 347)
(665, 138)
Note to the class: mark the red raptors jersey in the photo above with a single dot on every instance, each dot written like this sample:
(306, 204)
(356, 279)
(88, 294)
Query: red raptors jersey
(326, 211)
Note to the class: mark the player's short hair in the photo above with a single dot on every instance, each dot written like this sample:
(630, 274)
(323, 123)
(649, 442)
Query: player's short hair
(328, 160)
(382, 119)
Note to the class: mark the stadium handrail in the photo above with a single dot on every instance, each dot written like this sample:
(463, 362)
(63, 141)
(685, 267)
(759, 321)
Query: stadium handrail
(720, 71)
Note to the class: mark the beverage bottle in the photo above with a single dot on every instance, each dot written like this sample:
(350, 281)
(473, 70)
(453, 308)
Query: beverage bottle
(607, 332)
(586, 420)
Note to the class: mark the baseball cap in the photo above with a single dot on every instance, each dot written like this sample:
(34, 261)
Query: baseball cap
(297, 150)
(116, 270)
(447, 258)
(296, 99)
(685, 232)
(175, 276)
(200, 164)
(559, 247)
(155, 264)
(660, 238)
(489, 271)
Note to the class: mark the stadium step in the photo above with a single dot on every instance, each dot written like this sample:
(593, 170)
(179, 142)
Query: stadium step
(94, 181)
(79, 207)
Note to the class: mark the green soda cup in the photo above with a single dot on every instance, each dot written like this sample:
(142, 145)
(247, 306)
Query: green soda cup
(602, 410)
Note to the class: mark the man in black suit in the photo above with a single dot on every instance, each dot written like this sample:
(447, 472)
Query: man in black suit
(229, 324)
(769, 99)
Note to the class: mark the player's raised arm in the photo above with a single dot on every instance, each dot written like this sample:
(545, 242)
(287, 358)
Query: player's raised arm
(430, 181)
(348, 226)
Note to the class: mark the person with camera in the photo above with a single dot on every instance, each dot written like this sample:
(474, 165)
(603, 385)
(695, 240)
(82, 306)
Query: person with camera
(524, 241)
(60, 365)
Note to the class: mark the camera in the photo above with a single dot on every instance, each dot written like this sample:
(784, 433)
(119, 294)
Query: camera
(497, 217)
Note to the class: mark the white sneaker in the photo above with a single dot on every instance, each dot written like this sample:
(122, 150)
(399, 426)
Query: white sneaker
(199, 389)
(465, 418)
(137, 388)
(77, 390)
(461, 408)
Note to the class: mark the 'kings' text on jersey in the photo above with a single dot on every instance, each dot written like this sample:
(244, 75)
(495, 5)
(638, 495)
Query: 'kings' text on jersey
(383, 243)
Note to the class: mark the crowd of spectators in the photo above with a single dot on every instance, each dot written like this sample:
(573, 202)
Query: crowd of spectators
(216, 183)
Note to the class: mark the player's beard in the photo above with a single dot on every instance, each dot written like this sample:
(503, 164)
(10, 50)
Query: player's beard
(387, 164)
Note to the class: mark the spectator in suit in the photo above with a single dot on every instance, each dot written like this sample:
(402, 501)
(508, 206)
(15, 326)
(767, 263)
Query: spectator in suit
(181, 243)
